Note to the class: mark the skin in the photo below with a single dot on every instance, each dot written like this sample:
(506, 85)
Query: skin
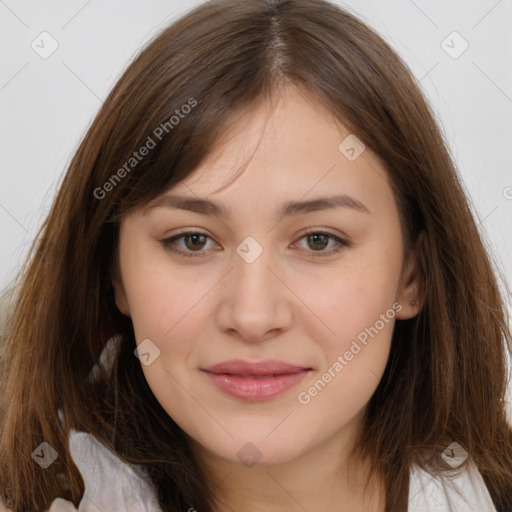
(285, 305)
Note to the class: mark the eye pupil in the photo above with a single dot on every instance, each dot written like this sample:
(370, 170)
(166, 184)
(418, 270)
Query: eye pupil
(317, 238)
(196, 238)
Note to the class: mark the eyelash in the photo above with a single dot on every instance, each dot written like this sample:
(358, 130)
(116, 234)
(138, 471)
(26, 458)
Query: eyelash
(168, 243)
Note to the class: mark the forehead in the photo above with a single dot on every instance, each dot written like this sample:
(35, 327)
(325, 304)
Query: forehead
(281, 153)
(286, 128)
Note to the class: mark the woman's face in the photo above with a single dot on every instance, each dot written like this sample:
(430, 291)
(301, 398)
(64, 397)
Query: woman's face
(277, 275)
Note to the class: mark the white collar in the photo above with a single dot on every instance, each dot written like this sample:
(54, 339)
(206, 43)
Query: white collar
(113, 485)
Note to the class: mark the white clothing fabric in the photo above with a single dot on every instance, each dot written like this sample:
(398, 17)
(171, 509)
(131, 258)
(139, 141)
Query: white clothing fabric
(111, 484)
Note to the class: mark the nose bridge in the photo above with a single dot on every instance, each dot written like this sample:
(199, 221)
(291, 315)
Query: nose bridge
(253, 280)
(252, 264)
(255, 302)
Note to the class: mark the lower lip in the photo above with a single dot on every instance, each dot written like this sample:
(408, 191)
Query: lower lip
(255, 389)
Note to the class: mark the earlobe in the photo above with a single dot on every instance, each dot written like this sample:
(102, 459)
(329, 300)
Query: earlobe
(410, 294)
(120, 298)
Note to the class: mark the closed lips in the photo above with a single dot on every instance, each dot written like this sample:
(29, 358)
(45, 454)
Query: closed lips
(259, 381)
(269, 368)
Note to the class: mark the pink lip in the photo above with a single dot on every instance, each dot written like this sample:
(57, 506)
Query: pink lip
(255, 381)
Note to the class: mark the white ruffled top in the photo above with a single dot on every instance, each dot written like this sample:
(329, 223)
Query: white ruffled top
(112, 485)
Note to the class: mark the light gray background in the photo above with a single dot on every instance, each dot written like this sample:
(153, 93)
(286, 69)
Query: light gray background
(46, 105)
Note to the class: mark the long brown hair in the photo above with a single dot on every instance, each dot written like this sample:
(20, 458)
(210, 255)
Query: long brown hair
(446, 375)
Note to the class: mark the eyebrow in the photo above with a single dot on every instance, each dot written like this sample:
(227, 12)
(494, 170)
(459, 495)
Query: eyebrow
(290, 208)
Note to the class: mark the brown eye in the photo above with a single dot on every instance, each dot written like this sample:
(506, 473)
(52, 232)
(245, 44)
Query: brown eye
(191, 244)
(318, 241)
(194, 241)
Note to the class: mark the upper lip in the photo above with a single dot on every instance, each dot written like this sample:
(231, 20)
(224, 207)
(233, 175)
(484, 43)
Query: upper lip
(269, 367)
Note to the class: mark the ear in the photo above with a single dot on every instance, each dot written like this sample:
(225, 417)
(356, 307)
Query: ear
(120, 297)
(410, 292)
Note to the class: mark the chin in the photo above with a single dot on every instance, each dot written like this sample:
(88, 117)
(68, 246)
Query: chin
(258, 451)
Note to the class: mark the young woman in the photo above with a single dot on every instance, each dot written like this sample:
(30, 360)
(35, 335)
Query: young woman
(260, 287)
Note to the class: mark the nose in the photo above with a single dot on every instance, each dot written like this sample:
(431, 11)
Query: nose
(255, 302)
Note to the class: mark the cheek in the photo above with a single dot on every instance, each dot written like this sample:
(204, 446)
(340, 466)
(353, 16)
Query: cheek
(357, 308)
(355, 352)
(346, 301)
(357, 348)
(168, 307)
(172, 320)
(160, 298)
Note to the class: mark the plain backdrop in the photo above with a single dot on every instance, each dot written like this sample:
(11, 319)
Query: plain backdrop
(460, 51)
